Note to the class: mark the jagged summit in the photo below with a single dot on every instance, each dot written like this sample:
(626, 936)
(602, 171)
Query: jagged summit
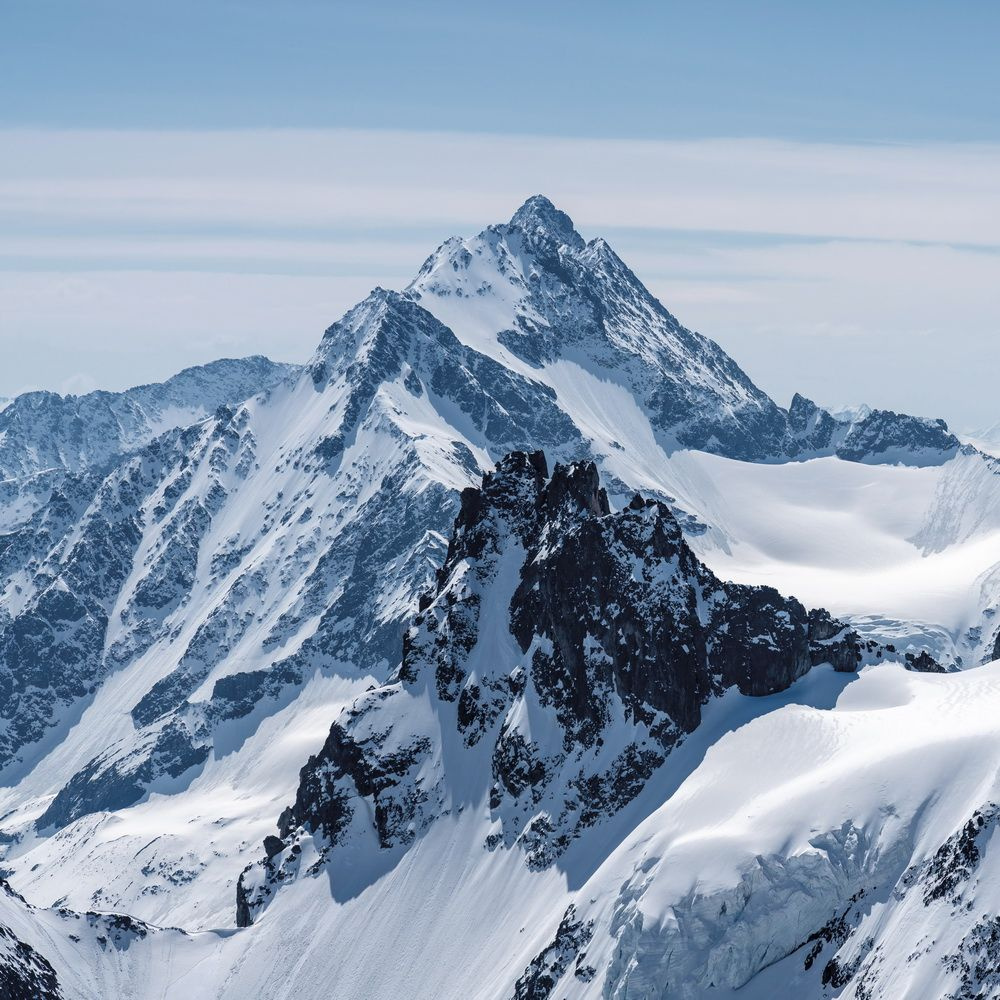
(868, 435)
(619, 662)
(535, 291)
(539, 217)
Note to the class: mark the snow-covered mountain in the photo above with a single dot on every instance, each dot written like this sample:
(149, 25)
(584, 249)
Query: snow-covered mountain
(538, 299)
(685, 839)
(182, 622)
(45, 438)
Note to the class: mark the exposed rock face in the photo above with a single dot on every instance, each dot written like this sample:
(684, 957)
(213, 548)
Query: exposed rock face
(567, 650)
(24, 973)
(884, 434)
(924, 662)
(811, 428)
(549, 966)
(833, 642)
(876, 436)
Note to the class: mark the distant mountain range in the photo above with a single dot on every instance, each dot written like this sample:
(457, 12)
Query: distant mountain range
(40, 431)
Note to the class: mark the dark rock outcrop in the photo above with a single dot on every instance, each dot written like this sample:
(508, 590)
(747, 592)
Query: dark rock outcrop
(891, 436)
(548, 606)
(545, 970)
(873, 436)
(24, 973)
(923, 662)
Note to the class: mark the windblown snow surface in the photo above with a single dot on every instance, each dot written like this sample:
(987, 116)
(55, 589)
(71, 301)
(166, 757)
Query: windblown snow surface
(757, 832)
(836, 839)
(906, 553)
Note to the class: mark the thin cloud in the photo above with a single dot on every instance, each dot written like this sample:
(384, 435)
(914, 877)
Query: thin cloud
(322, 179)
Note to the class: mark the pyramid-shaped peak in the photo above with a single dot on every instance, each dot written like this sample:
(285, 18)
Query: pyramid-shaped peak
(539, 217)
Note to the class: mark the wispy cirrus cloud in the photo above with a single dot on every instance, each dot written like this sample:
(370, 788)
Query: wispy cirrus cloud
(318, 179)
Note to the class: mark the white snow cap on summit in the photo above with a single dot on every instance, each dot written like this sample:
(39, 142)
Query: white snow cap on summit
(539, 217)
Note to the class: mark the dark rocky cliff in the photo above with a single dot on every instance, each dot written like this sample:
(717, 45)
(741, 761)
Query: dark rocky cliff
(549, 606)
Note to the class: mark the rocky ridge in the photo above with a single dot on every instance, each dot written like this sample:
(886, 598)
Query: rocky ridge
(44, 430)
(566, 650)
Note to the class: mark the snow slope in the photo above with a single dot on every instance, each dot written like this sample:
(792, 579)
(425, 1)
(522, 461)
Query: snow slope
(759, 847)
(752, 851)
(986, 439)
(908, 553)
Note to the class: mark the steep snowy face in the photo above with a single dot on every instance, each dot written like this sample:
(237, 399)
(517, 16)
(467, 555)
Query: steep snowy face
(69, 955)
(566, 652)
(48, 442)
(532, 292)
(43, 430)
(25, 974)
(388, 337)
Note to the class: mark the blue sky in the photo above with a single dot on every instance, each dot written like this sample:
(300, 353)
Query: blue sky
(848, 71)
(813, 185)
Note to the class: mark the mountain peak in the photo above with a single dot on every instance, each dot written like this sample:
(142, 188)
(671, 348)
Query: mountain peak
(538, 216)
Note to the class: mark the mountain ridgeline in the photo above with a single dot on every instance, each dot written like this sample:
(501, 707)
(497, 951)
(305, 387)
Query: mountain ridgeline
(42, 431)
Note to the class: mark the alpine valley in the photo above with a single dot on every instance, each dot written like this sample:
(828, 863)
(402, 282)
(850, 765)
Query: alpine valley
(516, 645)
